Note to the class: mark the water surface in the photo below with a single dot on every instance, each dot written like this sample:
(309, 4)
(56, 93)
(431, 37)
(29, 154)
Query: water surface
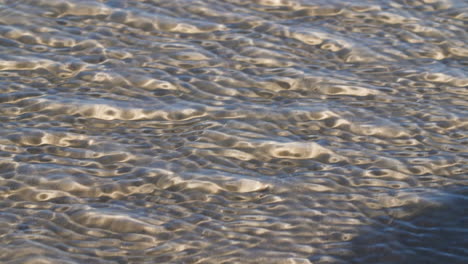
(233, 131)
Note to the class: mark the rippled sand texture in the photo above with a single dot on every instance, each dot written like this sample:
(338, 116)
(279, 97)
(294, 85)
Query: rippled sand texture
(235, 131)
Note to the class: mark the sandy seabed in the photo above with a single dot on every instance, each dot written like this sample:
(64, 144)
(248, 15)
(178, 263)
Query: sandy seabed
(233, 131)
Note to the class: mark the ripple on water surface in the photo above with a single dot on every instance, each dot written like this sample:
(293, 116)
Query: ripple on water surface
(208, 131)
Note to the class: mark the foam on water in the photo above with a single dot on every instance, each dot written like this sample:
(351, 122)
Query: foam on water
(233, 131)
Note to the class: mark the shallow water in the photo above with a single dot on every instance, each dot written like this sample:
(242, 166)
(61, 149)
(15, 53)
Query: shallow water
(233, 131)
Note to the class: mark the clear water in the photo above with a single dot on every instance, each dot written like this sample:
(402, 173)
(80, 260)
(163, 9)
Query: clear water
(233, 131)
